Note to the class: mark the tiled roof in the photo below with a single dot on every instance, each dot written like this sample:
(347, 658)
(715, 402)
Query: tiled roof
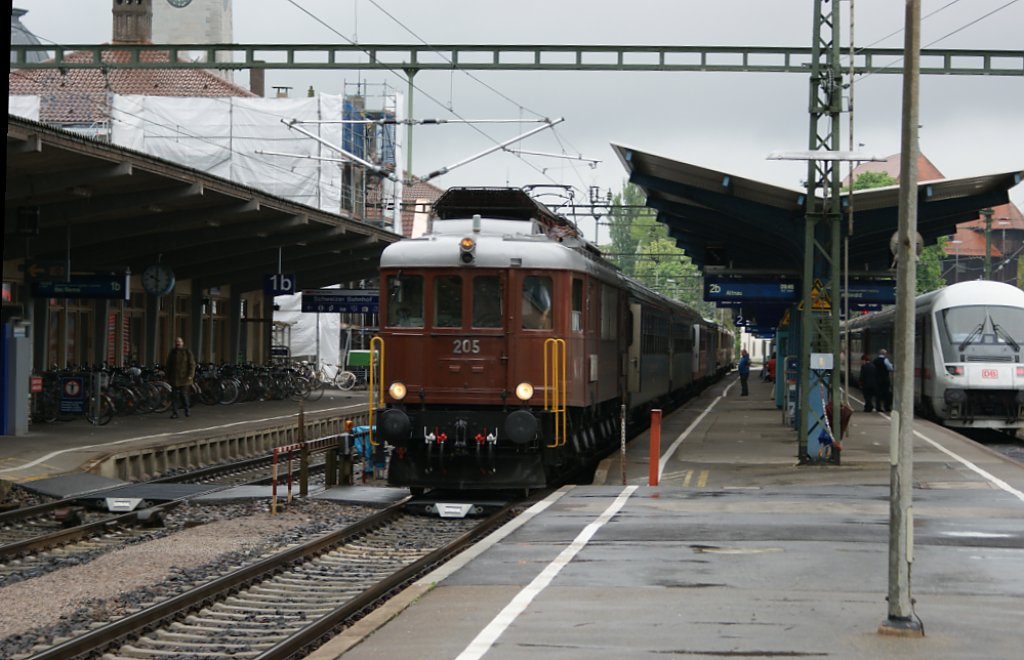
(1005, 213)
(926, 171)
(82, 95)
(971, 243)
(417, 192)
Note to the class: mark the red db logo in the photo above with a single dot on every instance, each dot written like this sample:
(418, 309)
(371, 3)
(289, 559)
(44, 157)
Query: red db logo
(990, 373)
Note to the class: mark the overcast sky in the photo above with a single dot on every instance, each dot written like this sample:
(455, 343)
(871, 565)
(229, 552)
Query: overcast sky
(729, 121)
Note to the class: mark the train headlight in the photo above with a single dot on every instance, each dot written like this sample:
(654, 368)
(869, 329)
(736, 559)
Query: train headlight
(954, 395)
(467, 250)
(954, 370)
(524, 391)
(397, 391)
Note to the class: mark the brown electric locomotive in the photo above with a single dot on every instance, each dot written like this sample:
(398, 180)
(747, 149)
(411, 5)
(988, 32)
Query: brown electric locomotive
(508, 347)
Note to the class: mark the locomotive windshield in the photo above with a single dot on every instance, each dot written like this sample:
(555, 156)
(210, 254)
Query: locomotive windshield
(405, 301)
(981, 331)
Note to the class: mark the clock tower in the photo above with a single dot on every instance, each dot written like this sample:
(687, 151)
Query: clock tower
(192, 22)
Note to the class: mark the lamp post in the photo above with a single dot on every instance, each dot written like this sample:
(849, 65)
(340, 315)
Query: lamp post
(1003, 223)
(987, 215)
(956, 261)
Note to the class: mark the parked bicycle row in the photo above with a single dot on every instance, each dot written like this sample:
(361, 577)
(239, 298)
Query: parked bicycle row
(66, 394)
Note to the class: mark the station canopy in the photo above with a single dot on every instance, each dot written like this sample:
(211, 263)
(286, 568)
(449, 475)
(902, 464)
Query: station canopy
(727, 223)
(108, 208)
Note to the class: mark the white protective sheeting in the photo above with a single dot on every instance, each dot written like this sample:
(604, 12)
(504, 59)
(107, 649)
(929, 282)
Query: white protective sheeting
(314, 337)
(24, 106)
(221, 136)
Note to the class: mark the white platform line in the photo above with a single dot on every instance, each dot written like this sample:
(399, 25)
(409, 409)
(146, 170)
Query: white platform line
(155, 436)
(485, 640)
(991, 478)
(682, 436)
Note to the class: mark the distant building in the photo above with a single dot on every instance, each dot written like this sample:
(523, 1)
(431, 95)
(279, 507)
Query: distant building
(20, 36)
(965, 249)
(80, 99)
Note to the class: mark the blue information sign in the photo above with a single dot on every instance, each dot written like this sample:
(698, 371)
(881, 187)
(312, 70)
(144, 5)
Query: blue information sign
(113, 286)
(720, 290)
(879, 293)
(350, 301)
(72, 395)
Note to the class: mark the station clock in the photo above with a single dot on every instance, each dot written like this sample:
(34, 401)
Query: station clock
(158, 279)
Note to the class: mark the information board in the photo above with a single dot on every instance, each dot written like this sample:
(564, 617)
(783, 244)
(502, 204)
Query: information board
(349, 301)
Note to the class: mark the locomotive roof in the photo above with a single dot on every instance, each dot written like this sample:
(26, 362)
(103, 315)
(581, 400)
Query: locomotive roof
(507, 203)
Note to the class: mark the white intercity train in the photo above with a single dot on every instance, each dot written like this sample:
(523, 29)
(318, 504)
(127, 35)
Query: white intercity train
(968, 360)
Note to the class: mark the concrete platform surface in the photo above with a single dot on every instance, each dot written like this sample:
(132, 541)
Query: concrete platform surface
(739, 552)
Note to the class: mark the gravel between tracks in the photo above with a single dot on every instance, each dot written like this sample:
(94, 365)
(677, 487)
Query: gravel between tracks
(46, 600)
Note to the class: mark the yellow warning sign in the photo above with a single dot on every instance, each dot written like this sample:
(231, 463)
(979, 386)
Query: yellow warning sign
(821, 301)
(784, 323)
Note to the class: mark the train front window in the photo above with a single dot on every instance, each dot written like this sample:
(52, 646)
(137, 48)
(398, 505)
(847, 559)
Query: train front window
(981, 330)
(405, 301)
(448, 301)
(536, 303)
(487, 302)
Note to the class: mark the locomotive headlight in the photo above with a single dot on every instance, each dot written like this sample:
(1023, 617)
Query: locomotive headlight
(524, 391)
(397, 391)
(467, 250)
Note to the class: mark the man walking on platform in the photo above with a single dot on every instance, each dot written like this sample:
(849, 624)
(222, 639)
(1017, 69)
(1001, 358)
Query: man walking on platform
(181, 369)
(744, 369)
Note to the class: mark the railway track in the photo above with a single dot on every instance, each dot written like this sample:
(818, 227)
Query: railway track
(36, 539)
(285, 604)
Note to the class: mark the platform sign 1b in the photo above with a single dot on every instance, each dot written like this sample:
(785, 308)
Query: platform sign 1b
(279, 284)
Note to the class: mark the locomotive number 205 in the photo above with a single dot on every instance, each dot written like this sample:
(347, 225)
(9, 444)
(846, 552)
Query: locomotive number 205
(465, 346)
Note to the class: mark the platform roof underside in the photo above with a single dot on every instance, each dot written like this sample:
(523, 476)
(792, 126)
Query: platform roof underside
(740, 224)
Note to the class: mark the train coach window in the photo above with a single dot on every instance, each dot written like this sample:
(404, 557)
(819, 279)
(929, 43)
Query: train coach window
(487, 302)
(448, 301)
(405, 301)
(537, 303)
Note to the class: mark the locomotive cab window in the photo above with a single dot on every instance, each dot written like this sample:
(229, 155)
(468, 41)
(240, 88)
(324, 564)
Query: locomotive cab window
(487, 302)
(405, 301)
(448, 301)
(537, 303)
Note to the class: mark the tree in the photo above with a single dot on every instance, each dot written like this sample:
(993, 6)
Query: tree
(627, 221)
(868, 180)
(929, 266)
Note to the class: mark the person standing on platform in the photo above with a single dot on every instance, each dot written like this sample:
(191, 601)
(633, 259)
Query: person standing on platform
(883, 382)
(771, 369)
(868, 382)
(181, 369)
(744, 369)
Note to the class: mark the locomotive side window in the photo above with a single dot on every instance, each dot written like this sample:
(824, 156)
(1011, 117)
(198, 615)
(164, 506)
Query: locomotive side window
(487, 302)
(448, 301)
(536, 303)
(405, 301)
(576, 316)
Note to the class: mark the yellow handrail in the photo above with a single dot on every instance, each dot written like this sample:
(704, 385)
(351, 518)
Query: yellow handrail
(554, 356)
(375, 384)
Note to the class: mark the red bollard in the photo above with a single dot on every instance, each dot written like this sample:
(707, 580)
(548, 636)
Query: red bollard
(652, 479)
